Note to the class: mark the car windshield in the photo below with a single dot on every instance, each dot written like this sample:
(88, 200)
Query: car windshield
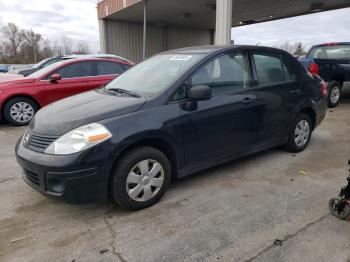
(40, 63)
(337, 52)
(154, 75)
(42, 72)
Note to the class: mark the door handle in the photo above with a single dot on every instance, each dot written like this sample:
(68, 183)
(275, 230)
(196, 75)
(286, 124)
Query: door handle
(247, 100)
(294, 91)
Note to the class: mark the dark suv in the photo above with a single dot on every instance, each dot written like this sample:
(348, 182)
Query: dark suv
(170, 116)
(332, 63)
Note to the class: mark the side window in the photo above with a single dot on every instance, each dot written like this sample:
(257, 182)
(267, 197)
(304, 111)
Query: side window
(289, 74)
(181, 93)
(109, 68)
(224, 74)
(271, 68)
(76, 70)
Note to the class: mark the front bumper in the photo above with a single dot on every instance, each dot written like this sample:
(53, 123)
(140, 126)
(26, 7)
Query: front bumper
(76, 178)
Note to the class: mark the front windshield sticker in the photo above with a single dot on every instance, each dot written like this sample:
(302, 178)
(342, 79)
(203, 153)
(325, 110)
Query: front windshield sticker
(180, 57)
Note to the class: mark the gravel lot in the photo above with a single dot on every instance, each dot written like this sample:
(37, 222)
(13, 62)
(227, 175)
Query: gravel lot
(234, 212)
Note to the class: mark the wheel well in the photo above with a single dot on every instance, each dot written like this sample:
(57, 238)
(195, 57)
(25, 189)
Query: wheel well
(157, 143)
(339, 78)
(12, 97)
(311, 113)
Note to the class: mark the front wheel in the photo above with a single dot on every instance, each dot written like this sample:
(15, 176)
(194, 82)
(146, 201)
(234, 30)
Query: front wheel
(334, 90)
(141, 178)
(20, 111)
(300, 133)
(333, 205)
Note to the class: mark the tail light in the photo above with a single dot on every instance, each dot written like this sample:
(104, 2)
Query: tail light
(324, 89)
(314, 69)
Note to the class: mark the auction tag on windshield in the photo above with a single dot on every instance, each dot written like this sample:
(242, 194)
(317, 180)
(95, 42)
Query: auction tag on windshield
(180, 57)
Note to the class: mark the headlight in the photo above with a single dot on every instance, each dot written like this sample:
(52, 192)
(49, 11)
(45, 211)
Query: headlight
(79, 139)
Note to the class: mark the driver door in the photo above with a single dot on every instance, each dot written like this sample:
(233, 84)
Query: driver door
(227, 123)
(75, 78)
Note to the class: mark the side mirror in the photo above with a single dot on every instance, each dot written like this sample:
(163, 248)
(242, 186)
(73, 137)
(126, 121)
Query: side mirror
(55, 77)
(199, 93)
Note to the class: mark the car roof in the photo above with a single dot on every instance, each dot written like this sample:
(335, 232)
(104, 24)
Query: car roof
(80, 59)
(107, 56)
(215, 48)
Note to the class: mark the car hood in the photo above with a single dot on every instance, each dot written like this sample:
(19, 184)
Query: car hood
(15, 81)
(65, 115)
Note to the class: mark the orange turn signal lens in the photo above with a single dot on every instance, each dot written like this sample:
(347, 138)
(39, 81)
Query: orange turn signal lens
(98, 137)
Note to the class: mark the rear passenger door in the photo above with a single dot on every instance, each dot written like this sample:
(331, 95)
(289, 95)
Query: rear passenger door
(278, 91)
(107, 71)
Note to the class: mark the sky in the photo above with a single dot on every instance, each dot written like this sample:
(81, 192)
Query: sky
(323, 27)
(53, 18)
(78, 19)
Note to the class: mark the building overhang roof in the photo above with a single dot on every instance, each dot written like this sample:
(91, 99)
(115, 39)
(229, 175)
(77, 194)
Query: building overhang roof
(202, 13)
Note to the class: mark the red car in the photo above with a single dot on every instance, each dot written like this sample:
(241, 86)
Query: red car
(21, 98)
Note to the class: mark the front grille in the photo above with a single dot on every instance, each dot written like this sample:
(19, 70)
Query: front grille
(32, 178)
(39, 143)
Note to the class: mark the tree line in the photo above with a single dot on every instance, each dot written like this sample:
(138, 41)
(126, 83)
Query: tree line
(19, 46)
(296, 49)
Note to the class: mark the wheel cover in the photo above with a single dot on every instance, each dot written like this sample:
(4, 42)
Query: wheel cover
(145, 180)
(302, 133)
(335, 94)
(334, 206)
(22, 112)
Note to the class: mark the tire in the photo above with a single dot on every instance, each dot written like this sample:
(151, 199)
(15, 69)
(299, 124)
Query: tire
(344, 214)
(136, 190)
(303, 124)
(334, 93)
(20, 111)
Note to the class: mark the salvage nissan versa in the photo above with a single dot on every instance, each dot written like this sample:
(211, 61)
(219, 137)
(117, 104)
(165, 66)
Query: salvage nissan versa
(170, 116)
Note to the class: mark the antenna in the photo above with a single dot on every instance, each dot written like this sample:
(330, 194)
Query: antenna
(258, 43)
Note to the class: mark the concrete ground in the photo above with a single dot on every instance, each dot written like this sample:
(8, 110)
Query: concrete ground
(234, 212)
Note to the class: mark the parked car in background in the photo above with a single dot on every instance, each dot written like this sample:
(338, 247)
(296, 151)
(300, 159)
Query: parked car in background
(21, 98)
(9, 76)
(48, 61)
(332, 63)
(170, 116)
(3, 69)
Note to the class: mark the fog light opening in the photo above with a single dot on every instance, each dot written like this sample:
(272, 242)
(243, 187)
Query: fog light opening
(56, 185)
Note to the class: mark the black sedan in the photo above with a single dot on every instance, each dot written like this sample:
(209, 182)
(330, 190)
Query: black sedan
(172, 115)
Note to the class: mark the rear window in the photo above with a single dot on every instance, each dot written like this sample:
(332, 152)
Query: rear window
(337, 52)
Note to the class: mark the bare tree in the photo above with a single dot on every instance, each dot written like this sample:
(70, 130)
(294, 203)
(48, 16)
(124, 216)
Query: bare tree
(82, 47)
(32, 41)
(66, 44)
(300, 50)
(14, 38)
(47, 49)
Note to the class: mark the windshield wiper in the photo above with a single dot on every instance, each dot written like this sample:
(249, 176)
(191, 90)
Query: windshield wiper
(123, 91)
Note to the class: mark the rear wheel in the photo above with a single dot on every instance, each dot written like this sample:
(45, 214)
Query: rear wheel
(333, 205)
(20, 111)
(334, 95)
(300, 133)
(141, 178)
